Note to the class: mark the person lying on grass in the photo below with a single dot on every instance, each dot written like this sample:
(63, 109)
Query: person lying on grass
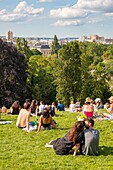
(63, 146)
(46, 121)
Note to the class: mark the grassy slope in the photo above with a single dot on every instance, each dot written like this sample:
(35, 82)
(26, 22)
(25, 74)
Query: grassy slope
(23, 151)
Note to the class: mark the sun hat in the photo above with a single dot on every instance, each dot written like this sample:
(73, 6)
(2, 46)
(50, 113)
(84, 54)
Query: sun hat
(111, 99)
(97, 100)
(88, 99)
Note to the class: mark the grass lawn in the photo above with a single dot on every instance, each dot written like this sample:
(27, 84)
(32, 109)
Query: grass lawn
(20, 150)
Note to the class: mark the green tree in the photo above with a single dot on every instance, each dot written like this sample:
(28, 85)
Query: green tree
(35, 52)
(22, 47)
(94, 82)
(55, 46)
(13, 77)
(41, 79)
(67, 73)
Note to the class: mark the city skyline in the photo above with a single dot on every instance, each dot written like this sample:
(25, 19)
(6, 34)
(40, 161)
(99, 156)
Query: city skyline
(66, 18)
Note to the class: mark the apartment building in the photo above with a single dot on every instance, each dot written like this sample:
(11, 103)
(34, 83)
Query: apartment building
(9, 36)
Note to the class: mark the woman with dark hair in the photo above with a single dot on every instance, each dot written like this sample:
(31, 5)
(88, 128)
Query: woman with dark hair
(34, 108)
(46, 121)
(63, 146)
(15, 108)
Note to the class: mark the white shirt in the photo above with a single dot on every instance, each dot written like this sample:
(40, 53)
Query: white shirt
(41, 108)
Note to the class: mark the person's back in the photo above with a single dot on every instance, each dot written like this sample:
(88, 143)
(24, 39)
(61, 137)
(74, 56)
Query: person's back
(15, 108)
(72, 106)
(46, 120)
(60, 106)
(22, 118)
(88, 108)
(41, 107)
(91, 142)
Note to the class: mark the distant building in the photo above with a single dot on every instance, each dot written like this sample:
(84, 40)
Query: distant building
(9, 36)
(96, 38)
(109, 40)
(45, 50)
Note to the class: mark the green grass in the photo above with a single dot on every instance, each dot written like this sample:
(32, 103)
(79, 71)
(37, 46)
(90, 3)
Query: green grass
(20, 150)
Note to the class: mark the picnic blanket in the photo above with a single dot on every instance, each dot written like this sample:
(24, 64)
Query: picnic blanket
(5, 122)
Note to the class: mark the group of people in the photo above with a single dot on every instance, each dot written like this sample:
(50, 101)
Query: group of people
(90, 107)
(46, 114)
(82, 138)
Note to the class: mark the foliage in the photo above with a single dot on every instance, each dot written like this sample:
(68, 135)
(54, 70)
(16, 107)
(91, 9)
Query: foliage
(22, 47)
(41, 79)
(35, 52)
(55, 46)
(23, 151)
(68, 73)
(13, 75)
(94, 78)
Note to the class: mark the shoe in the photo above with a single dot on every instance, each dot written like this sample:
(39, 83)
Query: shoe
(48, 145)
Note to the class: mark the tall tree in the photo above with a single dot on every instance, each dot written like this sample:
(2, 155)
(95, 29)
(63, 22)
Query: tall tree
(41, 79)
(22, 47)
(55, 46)
(68, 73)
(94, 82)
(13, 75)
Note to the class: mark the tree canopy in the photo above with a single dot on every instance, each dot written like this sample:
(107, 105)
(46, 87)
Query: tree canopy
(13, 75)
(79, 70)
(55, 46)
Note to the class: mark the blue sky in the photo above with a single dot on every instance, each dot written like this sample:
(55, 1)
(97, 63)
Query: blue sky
(65, 18)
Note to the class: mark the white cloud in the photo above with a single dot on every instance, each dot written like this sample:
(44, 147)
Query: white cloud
(109, 14)
(24, 8)
(12, 17)
(21, 11)
(81, 9)
(68, 23)
(3, 11)
(68, 12)
(95, 5)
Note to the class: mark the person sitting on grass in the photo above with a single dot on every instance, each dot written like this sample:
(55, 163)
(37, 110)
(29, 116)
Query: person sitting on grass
(109, 109)
(60, 106)
(41, 108)
(15, 108)
(24, 117)
(46, 121)
(72, 106)
(4, 109)
(53, 108)
(63, 146)
(78, 107)
(90, 142)
(88, 108)
(34, 108)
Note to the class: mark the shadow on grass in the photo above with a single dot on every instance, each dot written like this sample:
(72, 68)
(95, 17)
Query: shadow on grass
(105, 150)
(60, 115)
(63, 128)
(3, 120)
